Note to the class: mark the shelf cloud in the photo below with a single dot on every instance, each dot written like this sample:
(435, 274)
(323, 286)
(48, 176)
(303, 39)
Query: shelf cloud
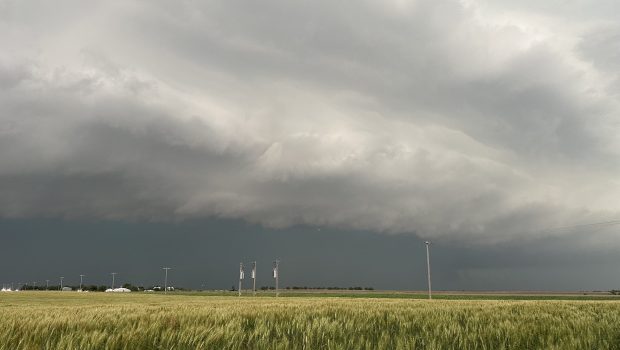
(458, 120)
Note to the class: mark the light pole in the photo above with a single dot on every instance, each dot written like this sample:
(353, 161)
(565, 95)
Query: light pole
(254, 278)
(81, 278)
(166, 280)
(276, 275)
(241, 275)
(113, 275)
(428, 268)
(61, 278)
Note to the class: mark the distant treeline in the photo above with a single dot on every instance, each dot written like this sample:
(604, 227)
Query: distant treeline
(102, 288)
(320, 288)
(95, 288)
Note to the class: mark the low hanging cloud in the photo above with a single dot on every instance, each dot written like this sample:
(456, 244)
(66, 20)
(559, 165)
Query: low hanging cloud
(452, 120)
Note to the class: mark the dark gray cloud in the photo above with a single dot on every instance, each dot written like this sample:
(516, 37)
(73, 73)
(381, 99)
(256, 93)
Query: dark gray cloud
(206, 254)
(458, 121)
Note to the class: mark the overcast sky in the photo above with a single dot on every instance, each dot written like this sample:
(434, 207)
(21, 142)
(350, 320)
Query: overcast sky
(484, 126)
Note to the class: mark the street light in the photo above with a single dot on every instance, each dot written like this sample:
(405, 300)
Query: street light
(276, 274)
(428, 268)
(254, 278)
(241, 275)
(166, 280)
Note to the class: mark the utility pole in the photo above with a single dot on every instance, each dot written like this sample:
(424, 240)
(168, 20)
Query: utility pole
(166, 280)
(276, 275)
(241, 275)
(81, 278)
(113, 275)
(428, 269)
(254, 278)
(61, 278)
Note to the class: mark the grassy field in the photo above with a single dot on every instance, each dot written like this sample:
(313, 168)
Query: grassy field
(417, 295)
(53, 320)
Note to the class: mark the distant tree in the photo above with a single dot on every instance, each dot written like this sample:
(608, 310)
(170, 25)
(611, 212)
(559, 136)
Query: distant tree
(131, 287)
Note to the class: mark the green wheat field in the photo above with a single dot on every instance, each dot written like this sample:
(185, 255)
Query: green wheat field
(55, 320)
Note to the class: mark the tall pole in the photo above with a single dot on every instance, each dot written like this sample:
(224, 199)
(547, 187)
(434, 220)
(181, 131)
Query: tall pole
(428, 269)
(81, 279)
(254, 278)
(166, 280)
(276, 275)
(240, 276)
(113, 275)
(61, 278)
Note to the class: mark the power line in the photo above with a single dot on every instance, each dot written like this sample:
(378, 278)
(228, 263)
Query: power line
(166, 280)
(428, 268)
(241, 276)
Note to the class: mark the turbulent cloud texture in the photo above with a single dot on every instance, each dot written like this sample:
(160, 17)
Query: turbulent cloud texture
(456, 120)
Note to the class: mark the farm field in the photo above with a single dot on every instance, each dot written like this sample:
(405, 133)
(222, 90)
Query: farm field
(443, 295)
(55, 320)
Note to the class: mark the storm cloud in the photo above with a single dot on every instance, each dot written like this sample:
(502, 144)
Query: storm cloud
(456, 120)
